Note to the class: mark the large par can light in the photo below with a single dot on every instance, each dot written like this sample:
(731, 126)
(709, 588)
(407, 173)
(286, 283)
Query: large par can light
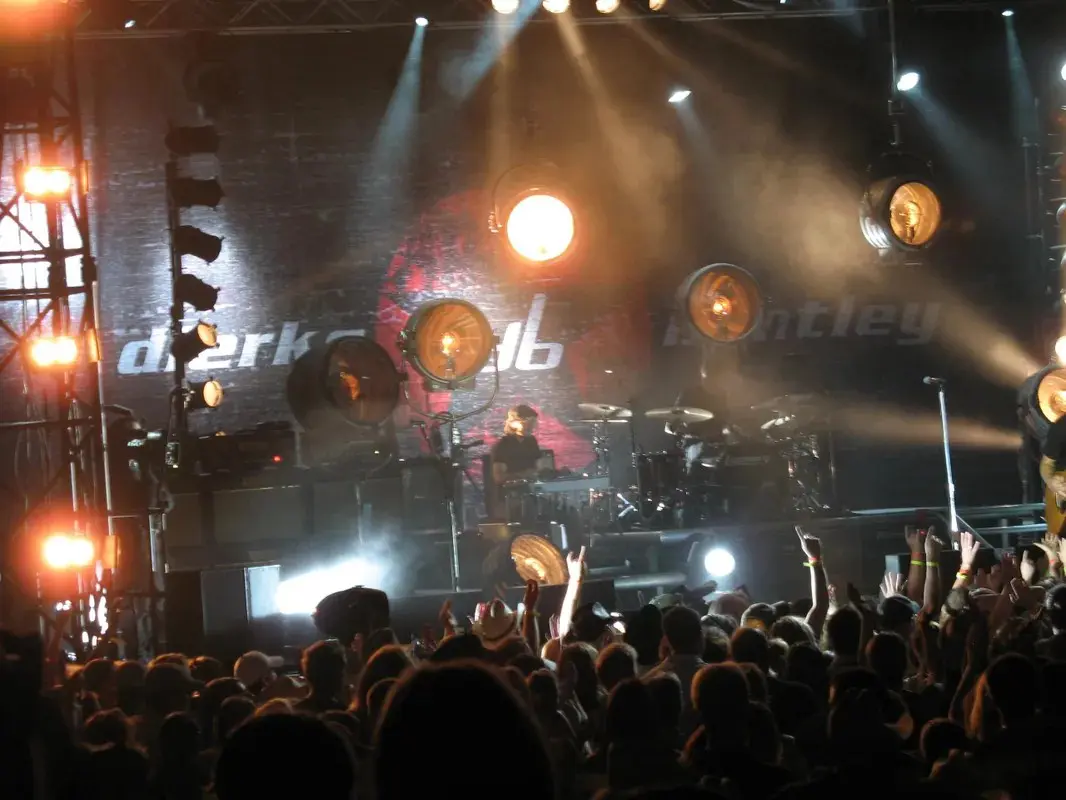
(722, 302)
(1042, 400)
(352, 379)
(534, 212)
(900, 213)
(448, 342)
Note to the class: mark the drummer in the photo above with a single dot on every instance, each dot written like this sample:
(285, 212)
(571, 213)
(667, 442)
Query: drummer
(515, 454)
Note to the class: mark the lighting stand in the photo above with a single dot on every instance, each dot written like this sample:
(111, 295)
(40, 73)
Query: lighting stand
(940, 385)
(452, 464)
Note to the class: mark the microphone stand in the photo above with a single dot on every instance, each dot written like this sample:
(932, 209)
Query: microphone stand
(940, 385)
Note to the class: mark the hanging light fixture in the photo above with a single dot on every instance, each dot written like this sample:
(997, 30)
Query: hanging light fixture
(535, 212)
(901, 212)
(448, 342)
(352, 379)
(722, 302)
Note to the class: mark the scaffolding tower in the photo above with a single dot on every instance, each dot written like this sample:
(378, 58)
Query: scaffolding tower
(52, 425)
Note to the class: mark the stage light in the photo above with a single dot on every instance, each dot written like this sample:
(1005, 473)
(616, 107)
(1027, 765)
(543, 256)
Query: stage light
(351, 378)
(191, 343)
(1042, 399)
(537, 559)
(656, 5)
(1007, 12)
(190, 289)
(679, 96)
(63, 551)
(540, 227)
(130, 23)
(46, 183)
(53, 352)
(1062, 72)
(719, 563)
(723, 302)
(192, 241)
(448, 342)
(900, 212)
(421, 22)
(1060, 349)
(205, 394)
(908, 81)
(607, 6)
(556, 6)
(505, 6)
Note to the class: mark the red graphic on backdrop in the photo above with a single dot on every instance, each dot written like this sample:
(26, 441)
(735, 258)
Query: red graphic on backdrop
(448, 253)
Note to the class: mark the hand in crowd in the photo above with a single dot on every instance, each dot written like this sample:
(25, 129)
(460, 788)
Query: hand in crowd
(892, 583)
(811, 545)
(575, 565)
(968, 547)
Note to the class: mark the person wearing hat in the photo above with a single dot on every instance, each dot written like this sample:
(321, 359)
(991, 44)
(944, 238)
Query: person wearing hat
(496, 624)
(168, 688)
(515, 454)
(256, 671)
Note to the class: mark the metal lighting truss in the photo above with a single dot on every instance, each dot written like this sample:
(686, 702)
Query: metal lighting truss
(53, 424)
(156, 18)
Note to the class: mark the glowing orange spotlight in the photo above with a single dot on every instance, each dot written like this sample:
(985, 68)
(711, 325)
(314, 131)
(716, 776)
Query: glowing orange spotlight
(64, 551)
(59, 352)
(46, 183)
(540, 228)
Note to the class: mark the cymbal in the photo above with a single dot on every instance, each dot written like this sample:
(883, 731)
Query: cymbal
(603, 412)
(680, 415)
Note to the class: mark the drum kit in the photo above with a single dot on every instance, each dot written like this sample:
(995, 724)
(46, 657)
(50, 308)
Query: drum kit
(771, 464)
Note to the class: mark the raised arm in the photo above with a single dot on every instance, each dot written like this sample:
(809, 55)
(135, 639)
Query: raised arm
(931, 592)
(812, 548)
(576, 567)
(916, 573)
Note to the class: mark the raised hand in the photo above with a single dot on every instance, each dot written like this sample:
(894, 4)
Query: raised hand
(447, 618)
(529, 600)
(933, 545)
(575, 565)
(914, 538)
(892, 583)
(968, 547)
(812, 545)
(1004, 573)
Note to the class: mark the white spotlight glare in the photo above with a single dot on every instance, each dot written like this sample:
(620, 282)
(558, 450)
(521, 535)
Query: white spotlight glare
(679, 96)
(1062, 72)
(1060, 349)
(656, 5)
(908, 81)
(719, 563)
(130, 23)
(556, 6)
(505, 6)
(421, 22)
(1008, 12)
(302, 594)
(607, 6)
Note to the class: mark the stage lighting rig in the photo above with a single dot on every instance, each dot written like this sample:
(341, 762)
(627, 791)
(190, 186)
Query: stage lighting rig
(189, 344)
(534, 211)
(186, 144)
(447, 342)
(43, 184)
(352, 380)
(204, 394)
(901, 212)
(722, 302)
(900, 209)
(1042, 399)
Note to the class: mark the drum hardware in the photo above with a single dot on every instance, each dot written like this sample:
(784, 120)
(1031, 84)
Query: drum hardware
(600, 415)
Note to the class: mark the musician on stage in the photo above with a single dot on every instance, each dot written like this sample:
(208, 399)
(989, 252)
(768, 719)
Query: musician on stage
(515, 455)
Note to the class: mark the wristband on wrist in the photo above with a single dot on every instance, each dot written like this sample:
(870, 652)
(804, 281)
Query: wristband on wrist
(963, 574)
(917, 562)
(932, 563)
(814, 562)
